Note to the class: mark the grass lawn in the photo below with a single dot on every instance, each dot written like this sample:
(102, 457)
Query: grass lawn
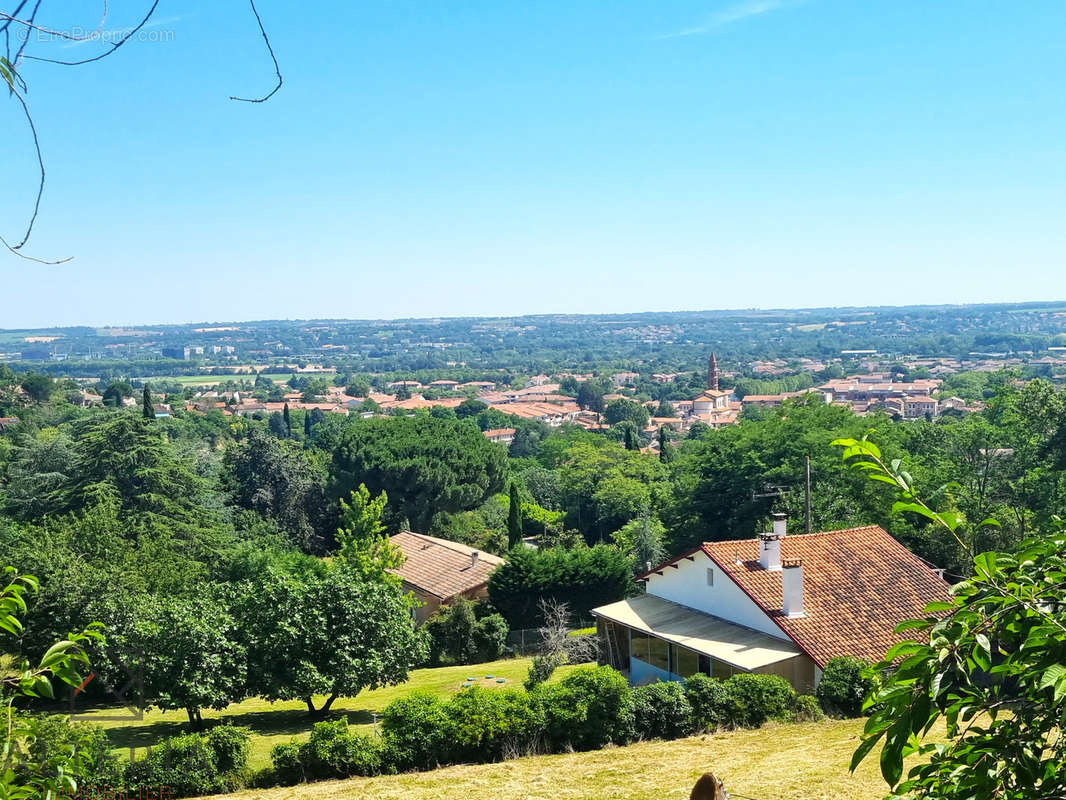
(273, 723)
(775, 762)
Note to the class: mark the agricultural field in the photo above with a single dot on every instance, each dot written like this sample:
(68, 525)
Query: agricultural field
(775, 762)
(275, 723)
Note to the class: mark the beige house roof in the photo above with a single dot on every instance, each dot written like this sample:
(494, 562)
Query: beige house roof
(440, 567)
(742, 647)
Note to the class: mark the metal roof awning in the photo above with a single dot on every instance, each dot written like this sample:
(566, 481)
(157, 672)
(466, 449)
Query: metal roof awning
(741, 647)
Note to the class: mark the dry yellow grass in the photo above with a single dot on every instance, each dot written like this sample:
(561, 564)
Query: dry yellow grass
(773, 763)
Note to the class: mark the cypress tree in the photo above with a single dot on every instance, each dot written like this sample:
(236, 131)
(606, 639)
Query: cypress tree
(631, 439)
(307, 424)
(288, 422)
(514, 518)
(146, 403)
(666, 450)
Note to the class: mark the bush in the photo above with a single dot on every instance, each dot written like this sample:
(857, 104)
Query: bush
(540, 670)
(805, 708)
(490, 724)
(230, 745)
(661, 711)
(707, 697)
(589, 708)
(752, 699)
(332, 751)
(844, 686)
(53, 738)
(459, 634)
(743, 701)
(415, 730)
(187, 764)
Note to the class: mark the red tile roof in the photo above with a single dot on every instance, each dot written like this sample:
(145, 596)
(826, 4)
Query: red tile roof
(440, 567)
(858, 585)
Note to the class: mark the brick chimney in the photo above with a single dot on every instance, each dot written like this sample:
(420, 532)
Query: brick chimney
(792, 587)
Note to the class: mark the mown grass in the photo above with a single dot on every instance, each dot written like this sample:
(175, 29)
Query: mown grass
(776, 762)
(274, 723)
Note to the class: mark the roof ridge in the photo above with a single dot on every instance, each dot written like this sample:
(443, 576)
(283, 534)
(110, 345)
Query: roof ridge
(798, 535)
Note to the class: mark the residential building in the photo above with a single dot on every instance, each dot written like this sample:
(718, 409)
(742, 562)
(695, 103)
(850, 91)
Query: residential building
(437, 571)
(500, 435)
(779, 604)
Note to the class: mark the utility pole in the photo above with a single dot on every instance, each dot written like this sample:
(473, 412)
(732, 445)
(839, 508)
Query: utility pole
(807, 459)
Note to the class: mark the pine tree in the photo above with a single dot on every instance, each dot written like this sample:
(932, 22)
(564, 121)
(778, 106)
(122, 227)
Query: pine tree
(514, 518)
(288, 422)
(666, 450)
(146, 404)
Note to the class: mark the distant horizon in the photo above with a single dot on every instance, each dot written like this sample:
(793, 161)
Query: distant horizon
(546, 314)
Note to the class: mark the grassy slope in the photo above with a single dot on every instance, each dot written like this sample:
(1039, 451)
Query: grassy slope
(273, 723)
(772, 763)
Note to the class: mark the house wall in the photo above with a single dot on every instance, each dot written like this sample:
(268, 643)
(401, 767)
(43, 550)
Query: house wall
(687, 586)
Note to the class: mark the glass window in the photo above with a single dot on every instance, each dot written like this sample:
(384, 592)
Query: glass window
(721, 669)
(686, 662)
(710, 577)
(658, 653)
(639, 645)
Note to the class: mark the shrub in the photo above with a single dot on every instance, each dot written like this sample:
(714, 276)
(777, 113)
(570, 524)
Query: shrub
(752, 699)
(743, 701)
(288, 765)
(53, 738)
(187, 764)
(844, 686)
(459, 634)
(805, 708)
(661, 711)
(230, 745)
(589, 708)
(415, 730)
(490, 637)
(332, 751)
(541, 669)
(707, 697)
(490, 724)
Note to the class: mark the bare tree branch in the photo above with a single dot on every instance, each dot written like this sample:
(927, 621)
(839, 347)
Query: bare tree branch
(277, 69)
(125, 38)
(20, 254)
(30, 25)
(40, 163)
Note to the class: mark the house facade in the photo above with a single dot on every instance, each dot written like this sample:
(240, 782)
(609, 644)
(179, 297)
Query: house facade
(779, 604)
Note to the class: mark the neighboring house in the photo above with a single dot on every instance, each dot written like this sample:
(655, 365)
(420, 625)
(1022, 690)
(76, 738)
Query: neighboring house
(6, 422)
(501, 435)
(437, 571)
(778, 604)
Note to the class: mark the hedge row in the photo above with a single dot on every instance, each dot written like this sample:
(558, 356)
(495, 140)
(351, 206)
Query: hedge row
(589, 709)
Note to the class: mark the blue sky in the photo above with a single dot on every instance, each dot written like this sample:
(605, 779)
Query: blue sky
(496, 157)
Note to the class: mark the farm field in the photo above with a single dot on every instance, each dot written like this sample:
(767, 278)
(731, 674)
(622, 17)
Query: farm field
(211, 380)
(776, 762)
(275, 723)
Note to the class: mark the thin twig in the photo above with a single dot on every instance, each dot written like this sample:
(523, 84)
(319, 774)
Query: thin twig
(40, 163)
(30, 24)
(114, 46)
(274, 58)
(20, 254)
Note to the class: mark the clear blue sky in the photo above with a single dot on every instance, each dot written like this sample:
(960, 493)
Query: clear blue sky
(465, 158)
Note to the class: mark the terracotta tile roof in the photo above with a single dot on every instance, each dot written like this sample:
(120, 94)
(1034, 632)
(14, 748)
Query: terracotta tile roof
(440, 567)
(858, 585)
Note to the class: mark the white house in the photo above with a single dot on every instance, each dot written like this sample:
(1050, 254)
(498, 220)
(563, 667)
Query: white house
(778, 604)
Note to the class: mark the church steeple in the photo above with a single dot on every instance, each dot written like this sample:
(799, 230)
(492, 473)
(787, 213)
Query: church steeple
(712, 373)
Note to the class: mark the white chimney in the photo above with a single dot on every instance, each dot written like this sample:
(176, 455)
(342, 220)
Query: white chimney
(792, 587)
(770, 551)
(780, 525)
(473, 559)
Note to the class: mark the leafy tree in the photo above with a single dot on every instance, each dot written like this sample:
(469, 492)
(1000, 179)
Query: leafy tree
(357, 387)
(190, 658)
(361, 537)
(643, 539)
(630, 438)
(665, 409)
(426, 465)
(470, 408)
(460, 635)
(666, 450)
(147, 411)
(315, 388)
(281, 481)
(37, 386)
(514, 517)
(623, 410)
(583, 578)
(590, 397)
(990, 663)
(329, 635)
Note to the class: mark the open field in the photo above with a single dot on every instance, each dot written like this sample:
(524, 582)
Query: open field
(211, 380)
(275, 723)
(776, 762)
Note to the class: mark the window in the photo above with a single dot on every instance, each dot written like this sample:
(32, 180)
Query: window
(638, 644)
(658, 653)
(684, 662)
(710, 576)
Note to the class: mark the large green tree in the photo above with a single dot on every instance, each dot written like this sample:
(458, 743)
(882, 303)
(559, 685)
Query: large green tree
(426, 466)
(325, 636)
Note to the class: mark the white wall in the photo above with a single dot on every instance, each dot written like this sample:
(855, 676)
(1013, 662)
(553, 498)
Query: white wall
(687, 586)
